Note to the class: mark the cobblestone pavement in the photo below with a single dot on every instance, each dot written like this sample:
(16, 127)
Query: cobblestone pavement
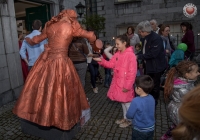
(101, 126)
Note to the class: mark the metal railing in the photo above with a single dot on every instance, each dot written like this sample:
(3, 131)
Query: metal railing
(178, 40)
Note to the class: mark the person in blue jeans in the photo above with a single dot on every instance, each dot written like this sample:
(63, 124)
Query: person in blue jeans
(108, 77)
(142, 109)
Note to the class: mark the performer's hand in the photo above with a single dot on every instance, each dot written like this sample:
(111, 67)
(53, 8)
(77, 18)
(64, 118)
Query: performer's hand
(97, 59)
(125, 90)
(28, 40)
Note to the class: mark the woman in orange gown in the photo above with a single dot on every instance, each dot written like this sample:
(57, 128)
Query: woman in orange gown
(53, 94)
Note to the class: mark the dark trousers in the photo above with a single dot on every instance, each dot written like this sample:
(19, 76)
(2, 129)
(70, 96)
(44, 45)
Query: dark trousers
(137, 135)
(81, 69)
(93, 73)
(29, 68)
(156, 89)
(189, 55)
(108, 77)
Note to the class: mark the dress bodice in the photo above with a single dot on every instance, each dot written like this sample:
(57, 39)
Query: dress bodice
(59, 35)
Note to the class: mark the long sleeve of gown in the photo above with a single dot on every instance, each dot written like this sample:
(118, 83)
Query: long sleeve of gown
(79, 32)
(37, 39)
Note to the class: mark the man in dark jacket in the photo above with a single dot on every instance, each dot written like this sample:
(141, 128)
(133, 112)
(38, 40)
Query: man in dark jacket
(153, 55)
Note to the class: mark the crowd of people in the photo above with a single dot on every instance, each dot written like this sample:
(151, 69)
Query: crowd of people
(133, 70)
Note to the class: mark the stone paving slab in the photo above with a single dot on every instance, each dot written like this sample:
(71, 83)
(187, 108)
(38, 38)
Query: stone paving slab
(101, 126)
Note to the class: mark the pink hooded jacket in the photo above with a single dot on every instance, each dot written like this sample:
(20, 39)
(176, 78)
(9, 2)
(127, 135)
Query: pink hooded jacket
(124, 66)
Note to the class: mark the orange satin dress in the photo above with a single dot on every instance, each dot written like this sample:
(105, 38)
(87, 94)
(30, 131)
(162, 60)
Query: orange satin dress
(53, 94)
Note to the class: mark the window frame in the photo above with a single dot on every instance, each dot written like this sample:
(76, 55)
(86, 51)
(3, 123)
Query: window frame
(116, 2)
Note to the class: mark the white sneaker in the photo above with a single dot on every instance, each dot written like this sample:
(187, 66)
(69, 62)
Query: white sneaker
(92, 87)
(125, 124)
(95, 90)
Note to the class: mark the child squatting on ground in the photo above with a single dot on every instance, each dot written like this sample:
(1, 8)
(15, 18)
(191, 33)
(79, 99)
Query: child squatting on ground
(124, 65)
(182, 76)
(142, 109)
(138, 50)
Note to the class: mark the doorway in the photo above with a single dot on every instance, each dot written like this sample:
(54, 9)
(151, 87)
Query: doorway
(27, 11)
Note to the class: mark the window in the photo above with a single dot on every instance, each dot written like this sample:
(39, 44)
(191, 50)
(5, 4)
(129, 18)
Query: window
(126, 1)
(91, 7)
(122, 29)
(175, 31)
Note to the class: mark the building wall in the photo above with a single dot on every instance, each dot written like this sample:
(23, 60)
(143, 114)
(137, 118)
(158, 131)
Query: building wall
(119, 16)
(11, 79)
(70, 4)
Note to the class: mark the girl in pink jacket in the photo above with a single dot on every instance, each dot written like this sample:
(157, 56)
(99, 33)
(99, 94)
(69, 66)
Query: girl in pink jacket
(124, 65)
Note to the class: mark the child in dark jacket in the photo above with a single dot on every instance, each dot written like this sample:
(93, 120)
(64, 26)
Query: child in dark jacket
(142, 109)
(138, 50)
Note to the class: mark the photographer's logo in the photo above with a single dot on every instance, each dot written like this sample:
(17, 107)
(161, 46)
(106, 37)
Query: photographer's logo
(190, 10)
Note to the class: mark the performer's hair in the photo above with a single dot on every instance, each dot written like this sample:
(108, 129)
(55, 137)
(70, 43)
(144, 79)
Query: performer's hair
(70, 13)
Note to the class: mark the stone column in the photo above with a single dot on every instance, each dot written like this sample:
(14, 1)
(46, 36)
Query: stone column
(11, 78)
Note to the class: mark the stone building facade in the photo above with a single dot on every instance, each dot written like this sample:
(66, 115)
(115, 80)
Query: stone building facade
(11, 78)
(120, 14)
